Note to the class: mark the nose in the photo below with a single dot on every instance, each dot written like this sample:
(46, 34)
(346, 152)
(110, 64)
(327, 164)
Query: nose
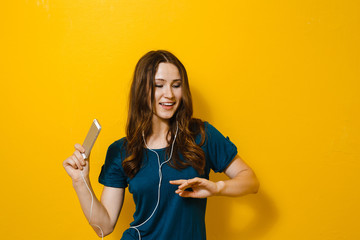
(168, 92)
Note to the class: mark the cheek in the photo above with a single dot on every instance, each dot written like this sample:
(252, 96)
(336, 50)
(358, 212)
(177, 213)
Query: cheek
(157, 95)
(178, 94)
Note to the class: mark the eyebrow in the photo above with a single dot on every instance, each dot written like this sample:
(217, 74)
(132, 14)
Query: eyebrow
(160, 79)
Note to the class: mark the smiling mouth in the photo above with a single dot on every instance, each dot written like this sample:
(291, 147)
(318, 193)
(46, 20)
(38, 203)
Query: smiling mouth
(167, 104)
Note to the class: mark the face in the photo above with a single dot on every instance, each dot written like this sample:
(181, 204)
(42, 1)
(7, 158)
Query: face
(168, 91)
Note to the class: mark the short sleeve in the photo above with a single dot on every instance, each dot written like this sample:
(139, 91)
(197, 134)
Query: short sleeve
(112, 174)
(220, 151)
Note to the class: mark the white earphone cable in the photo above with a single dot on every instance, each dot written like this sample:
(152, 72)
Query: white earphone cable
(160, 178)
(91, 206)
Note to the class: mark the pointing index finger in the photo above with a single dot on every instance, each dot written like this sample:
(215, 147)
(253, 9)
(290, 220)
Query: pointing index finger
(177, 182)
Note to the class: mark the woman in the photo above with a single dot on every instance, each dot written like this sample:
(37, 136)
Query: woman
(165, 159)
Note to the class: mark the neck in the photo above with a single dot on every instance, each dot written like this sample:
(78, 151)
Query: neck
(160, 128)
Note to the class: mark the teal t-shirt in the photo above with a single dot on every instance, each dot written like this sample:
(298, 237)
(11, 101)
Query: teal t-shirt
(176, 218)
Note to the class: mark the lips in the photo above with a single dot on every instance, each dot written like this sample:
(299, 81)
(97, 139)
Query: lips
(168, 104)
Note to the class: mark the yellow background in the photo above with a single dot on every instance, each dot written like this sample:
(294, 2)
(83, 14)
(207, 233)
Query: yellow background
(280, 78)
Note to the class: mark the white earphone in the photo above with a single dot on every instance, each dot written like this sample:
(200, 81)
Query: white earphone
(160, 178)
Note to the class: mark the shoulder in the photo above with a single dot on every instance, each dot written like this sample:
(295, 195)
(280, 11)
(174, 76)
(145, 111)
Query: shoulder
(117, 148)
(208, 126)
(119, 144)
(204, 130)
(210, 129)
(212, 134)
(197, 125)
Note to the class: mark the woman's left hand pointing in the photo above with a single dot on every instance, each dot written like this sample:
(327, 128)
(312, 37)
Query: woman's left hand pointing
(201, 187)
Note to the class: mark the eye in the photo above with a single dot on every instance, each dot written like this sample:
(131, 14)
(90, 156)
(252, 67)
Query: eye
(158, 86)
(176, 85)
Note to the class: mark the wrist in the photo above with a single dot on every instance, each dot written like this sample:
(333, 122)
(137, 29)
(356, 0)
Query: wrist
(79, 180)
(220, 185)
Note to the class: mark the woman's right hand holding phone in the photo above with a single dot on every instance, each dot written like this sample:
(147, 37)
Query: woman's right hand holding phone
(76, 163)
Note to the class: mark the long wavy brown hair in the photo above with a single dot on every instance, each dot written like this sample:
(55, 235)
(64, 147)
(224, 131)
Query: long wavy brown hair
(140, 118)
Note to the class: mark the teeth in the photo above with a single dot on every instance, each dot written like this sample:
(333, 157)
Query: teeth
(167, 104)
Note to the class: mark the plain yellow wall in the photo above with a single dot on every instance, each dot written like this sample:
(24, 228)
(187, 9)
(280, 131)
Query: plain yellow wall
(280, 78)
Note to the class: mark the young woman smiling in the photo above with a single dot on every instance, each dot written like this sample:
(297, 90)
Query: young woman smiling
(165, 160)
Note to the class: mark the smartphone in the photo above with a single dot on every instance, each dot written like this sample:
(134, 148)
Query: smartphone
(91, 138)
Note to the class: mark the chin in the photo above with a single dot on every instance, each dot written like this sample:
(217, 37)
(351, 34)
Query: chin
(164, 116)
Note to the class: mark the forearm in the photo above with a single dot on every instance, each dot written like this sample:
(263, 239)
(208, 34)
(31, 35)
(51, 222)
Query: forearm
(243, 183)
(99, 215)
